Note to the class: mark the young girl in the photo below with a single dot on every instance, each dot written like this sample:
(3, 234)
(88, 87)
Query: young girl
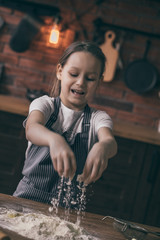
(65, 136)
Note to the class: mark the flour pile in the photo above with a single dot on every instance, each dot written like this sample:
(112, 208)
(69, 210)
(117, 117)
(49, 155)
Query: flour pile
(38, 226)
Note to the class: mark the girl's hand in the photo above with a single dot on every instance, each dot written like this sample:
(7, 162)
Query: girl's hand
(96, 163)
(61, 154)
(98, 156)
(63, 158)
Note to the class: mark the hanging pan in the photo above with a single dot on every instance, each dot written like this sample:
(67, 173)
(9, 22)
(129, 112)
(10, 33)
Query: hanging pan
(141, 76)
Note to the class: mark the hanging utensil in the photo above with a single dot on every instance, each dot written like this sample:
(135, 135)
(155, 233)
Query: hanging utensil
(140, 75)
(111, 54)
(27, 29)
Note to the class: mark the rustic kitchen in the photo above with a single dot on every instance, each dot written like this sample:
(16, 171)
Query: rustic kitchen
(128, 33)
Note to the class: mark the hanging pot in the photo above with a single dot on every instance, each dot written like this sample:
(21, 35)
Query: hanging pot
(141, 76)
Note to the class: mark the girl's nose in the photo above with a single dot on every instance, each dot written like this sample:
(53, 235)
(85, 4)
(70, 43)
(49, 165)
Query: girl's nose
(81, 80)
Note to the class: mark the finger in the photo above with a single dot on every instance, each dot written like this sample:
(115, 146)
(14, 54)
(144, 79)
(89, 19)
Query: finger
(99, 174)
(73, 167)
(54, 160)
(67, 167)
(96, 172)
(60, 166)
(101, 170)
(93, 174)
(86, 172)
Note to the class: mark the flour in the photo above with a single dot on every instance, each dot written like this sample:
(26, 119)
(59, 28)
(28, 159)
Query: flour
(38, 226)
(70, 195)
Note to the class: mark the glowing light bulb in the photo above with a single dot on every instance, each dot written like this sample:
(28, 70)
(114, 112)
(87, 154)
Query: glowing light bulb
(54, 36)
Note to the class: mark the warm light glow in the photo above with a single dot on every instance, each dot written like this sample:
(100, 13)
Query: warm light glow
(54, 36)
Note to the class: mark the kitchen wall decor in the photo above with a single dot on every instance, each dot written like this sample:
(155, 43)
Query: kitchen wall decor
(25, 32)
(111, 54)
(140, 75)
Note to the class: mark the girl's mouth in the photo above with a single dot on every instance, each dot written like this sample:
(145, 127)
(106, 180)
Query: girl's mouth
(77, 92)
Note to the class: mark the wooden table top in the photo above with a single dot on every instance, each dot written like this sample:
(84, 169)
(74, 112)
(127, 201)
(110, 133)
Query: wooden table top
(91, 222)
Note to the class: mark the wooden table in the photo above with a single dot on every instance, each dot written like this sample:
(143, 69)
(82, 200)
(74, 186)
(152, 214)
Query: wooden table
(91, 222)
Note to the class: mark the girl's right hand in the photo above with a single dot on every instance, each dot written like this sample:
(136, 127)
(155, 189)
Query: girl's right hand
(62, 156)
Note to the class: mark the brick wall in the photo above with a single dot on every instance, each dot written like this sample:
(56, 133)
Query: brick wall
(35, 67)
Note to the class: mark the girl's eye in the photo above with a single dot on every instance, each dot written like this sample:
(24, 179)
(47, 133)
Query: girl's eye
(90, 79)
(74, 74)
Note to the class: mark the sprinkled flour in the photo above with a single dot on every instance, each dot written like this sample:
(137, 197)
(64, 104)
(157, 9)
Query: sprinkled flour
(38, 226)
(70, 195)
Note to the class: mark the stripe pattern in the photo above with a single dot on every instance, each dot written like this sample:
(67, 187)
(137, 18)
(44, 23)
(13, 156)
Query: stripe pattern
(40, 180)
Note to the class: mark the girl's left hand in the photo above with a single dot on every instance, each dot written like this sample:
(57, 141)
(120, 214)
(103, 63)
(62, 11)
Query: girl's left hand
(98, 156)
(96, 163)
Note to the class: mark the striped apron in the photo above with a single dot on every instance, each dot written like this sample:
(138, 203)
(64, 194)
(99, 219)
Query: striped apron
(40, 181)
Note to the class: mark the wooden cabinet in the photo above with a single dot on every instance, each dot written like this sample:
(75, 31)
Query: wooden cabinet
(147, 201)
(152, 215)
(129, 188)
(12, 151)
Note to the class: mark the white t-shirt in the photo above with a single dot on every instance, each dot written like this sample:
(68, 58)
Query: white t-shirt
(70, 120)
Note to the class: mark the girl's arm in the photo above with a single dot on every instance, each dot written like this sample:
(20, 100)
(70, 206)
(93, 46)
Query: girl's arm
(61, 154)
(98, 156)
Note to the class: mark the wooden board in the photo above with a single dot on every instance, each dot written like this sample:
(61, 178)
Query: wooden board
(111, 54)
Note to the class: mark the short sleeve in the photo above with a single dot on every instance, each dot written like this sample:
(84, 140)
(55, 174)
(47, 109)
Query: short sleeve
(43, 104)
(102, 119)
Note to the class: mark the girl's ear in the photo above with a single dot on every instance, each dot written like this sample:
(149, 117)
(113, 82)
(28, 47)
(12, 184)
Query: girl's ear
(59, 71)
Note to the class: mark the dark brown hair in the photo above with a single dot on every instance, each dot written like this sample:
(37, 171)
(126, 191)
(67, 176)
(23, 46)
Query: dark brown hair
(80, 46)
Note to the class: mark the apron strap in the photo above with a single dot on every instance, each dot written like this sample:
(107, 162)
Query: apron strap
(54, 115)
(86, 123)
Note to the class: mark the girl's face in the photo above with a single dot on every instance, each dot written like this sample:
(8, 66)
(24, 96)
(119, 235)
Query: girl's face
(79, 78)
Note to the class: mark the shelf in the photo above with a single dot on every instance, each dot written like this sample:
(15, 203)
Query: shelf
(136, 132)
(14, 105)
